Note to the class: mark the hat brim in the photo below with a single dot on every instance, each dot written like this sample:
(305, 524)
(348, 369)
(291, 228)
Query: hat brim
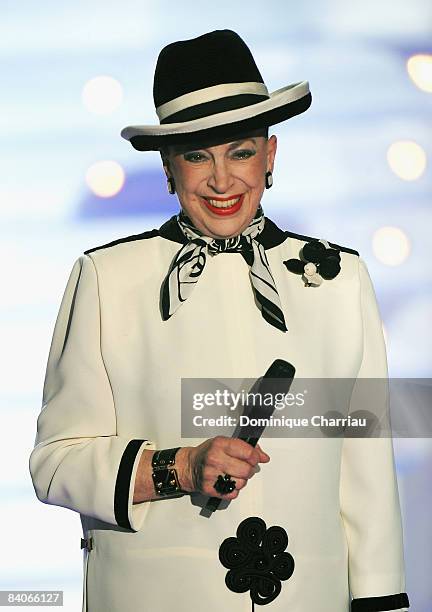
(281, 105)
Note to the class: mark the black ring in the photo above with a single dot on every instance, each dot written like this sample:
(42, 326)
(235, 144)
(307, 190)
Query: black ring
(224, 484)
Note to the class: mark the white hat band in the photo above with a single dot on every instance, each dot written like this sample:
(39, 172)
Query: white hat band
(208, 94)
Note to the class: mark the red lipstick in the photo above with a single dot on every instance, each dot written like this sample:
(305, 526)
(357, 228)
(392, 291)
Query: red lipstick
(224, 212)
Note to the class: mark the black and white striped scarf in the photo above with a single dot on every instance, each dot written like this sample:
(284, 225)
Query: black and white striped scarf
(190, 261)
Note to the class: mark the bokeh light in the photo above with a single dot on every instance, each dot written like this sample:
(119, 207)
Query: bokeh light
(419, 68)
(407, 159)
(102, 95)
(391, 245)
(105, 178)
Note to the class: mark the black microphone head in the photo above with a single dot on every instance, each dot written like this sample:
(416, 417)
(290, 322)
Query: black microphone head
(277, 380)
(278, 377)
(280, 369)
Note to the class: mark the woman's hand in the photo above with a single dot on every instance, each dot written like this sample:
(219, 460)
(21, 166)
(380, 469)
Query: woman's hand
(201, 465)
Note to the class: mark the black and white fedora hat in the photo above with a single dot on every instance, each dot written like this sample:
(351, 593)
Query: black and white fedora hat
(209, 88)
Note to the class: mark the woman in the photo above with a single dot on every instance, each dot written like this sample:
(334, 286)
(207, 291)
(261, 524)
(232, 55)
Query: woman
(218, 291)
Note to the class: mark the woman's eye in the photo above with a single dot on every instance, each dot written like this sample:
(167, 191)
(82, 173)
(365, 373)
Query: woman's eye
(243, 154)
(193, 157)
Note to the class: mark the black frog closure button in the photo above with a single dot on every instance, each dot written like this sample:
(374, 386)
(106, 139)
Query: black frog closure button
(256, 560)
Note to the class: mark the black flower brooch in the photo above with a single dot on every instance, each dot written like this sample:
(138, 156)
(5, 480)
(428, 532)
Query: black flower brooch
(256, 560)
(317, 261)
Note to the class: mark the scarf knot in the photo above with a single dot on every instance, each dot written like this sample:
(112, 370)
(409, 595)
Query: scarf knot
(190, 261)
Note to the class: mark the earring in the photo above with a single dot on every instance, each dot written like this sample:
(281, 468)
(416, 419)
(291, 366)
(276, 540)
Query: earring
(170, 185)
(268, 179)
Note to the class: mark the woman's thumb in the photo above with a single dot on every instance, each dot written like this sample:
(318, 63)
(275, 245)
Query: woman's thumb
(262, 452)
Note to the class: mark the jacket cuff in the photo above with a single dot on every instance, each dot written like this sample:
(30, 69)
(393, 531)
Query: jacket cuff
(127, 514)
(380, 604)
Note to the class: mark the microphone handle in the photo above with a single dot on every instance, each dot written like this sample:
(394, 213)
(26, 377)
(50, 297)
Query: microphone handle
(279, 369)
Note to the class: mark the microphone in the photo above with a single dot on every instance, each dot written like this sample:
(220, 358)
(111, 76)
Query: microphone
(274, 381)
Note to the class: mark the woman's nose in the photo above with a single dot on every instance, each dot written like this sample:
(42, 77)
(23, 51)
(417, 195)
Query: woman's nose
(220, 178)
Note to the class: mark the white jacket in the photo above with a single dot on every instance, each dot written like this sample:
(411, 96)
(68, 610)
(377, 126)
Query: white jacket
(112, 389)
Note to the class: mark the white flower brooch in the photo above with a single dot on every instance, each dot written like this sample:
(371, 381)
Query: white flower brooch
(317, 261)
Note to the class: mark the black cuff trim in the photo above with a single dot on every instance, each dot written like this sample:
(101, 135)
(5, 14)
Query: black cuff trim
(380, 604)
(122, 486)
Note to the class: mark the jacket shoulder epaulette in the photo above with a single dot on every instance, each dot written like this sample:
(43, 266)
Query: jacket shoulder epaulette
(148, 234)
(332, 244)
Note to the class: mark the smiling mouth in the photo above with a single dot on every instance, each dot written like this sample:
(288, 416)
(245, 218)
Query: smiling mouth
(223, 203)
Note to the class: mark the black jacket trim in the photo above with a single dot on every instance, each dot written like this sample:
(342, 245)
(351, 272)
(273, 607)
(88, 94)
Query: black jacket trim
(380, 604)
(332, 244)
(270, 236)
(148, 234)
(123, 482)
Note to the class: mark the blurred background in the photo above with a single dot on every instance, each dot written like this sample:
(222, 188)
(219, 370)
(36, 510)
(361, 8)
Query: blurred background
(354, 169)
